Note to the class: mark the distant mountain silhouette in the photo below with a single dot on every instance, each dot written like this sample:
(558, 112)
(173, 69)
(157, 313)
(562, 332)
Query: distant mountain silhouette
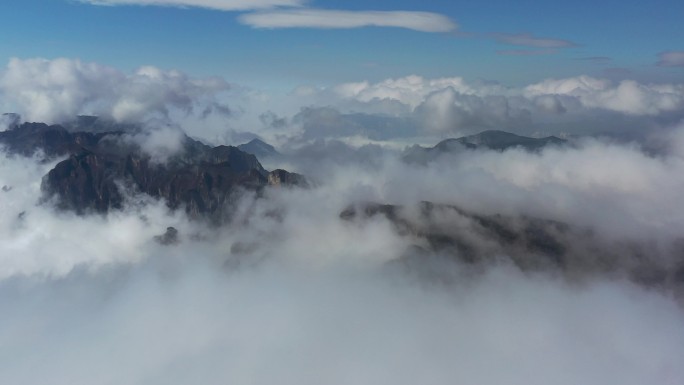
(491, 140)
(259, 148)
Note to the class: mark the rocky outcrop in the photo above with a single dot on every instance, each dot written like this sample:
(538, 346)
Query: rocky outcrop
(54, 140)
(281, 177)
(102, 168)
(532, 244)
(447, 229)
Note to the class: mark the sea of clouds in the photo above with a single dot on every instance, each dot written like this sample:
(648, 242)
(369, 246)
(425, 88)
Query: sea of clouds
(288, 293)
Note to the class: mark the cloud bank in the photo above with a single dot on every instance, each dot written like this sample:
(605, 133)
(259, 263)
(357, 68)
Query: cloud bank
(289, 293)
(57, 90)
(454, 106)
(398, 108)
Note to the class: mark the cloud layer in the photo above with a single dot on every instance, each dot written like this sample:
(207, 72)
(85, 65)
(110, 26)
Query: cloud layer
(288, 292)
(57, 90)
(454, 106)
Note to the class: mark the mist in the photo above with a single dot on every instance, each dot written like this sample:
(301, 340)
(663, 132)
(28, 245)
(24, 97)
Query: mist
(289, 292)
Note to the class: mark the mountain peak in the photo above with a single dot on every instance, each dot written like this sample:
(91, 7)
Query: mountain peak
(259, 148)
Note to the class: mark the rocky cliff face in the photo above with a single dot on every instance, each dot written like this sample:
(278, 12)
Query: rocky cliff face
(100, 166)
(532, 244)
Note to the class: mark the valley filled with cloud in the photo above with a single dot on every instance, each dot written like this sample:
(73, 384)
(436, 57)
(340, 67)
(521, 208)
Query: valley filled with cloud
(396, 262)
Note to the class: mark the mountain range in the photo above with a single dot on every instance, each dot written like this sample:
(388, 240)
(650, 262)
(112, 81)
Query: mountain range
(101, 169)
(100, 166)
(490, 140)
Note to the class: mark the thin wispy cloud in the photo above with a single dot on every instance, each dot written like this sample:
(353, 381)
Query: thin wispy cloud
(529, 40)
(671, 59)
(595, 59)
(338, 19)
(223, 5)
(526, 52)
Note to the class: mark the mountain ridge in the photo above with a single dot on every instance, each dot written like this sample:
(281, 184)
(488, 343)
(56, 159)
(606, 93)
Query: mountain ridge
(496, 140)
(101, 165)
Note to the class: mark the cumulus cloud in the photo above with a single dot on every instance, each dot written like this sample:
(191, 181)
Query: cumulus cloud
(529, 40)
(627, 96)
(59, 89)
(223, 5)
(338, 19)
(160, 142)
(671, 59)
(411, 90)
(411, 106)
(452, 106)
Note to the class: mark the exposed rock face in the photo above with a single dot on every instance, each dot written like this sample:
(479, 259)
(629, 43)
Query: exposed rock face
(530, 243)
(492, 140)
(170, 237)
(53, 140)
(447, 229)
(200, 178)
(281, 177)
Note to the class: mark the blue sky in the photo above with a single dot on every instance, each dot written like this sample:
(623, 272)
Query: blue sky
(608, 38)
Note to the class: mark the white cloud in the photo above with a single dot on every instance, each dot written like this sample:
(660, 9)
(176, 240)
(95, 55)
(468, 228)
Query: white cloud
(338, 19)
(288, 293)
(411, 106)
(160, 142)
(223, 5)
(306, 298)
(628, 96)
(671, 59)
(454, 106)
(59, 89)
(448, 111)
(410, 90)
